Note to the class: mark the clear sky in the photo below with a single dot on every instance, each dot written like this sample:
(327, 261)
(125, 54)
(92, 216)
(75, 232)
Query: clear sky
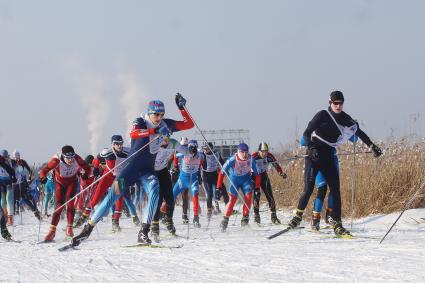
(76, 72)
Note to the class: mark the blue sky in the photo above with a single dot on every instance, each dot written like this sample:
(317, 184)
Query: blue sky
(266, 66)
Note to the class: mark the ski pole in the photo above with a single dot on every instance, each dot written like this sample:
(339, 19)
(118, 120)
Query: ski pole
(295, 157)
(353, 188)
(215, 156)
(39, 222)
(110, 172)
(404, 209)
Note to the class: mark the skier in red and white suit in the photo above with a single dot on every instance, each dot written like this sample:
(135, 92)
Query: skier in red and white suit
(66, 166)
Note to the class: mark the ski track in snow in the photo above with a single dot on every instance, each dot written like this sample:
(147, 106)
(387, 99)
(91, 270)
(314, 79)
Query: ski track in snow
(238, 255)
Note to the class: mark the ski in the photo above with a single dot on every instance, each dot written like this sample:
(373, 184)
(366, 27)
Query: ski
(349, 237)
(344, 237)
(67, 247)
(154, 246)
(12, 241)
(287, 229)
(45, 242)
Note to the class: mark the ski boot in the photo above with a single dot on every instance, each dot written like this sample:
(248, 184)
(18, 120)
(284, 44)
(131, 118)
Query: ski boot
(116, 225)
(155, 231)
(245, 220)
(185, 219)
(88, 228)
(51, 235)
(5, 234)
(296, 220)
(315, 221)
(37, 215)
(80, 221)
(170, 226)
(339, 230)
(196, 222)
(274, 218)
(257, 218)
(136, 220)
(224, 223)
(69, 232)
(143, 236)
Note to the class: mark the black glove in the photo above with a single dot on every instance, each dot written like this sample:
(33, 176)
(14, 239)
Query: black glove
(84, 176)
(180, 101)
(43, 180)
(376, 150)
(96, 172)
(13, 178)
(199, 179)
(313, 154)
(283, 175)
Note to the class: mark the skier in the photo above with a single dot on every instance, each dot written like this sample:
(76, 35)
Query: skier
(191, 162)
(175, 174)
(210, 168)
(242, 169)
(113, 156)
(322, 187)
(6, 181)
(20, 188)
(66, 166)
(7, 176)
(328, 129)
(163, 158)
(49, 192)
(148, 130)
(263, 158)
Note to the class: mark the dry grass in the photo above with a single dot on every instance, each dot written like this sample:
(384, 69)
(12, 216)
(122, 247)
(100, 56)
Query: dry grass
(383, 184)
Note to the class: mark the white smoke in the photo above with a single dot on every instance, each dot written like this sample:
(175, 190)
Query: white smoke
(91, 90)
(133, 99)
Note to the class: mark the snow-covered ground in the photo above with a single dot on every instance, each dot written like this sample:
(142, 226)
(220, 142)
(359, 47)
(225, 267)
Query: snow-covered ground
(239, 255)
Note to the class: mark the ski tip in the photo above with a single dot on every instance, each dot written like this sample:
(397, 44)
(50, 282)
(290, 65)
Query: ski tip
(67, 247)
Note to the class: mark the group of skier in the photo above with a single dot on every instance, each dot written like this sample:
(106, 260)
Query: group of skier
(163, 168)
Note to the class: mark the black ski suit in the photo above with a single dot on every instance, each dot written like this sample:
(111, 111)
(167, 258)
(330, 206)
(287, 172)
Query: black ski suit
(321, 155)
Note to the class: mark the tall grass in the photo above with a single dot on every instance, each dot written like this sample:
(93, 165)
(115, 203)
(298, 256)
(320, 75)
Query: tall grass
(382, 185)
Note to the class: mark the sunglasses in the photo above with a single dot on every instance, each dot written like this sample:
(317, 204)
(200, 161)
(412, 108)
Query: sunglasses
(158, 114)
(337, 103)
(118, 143)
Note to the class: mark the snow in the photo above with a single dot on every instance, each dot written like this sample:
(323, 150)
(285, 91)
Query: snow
(239, 255)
